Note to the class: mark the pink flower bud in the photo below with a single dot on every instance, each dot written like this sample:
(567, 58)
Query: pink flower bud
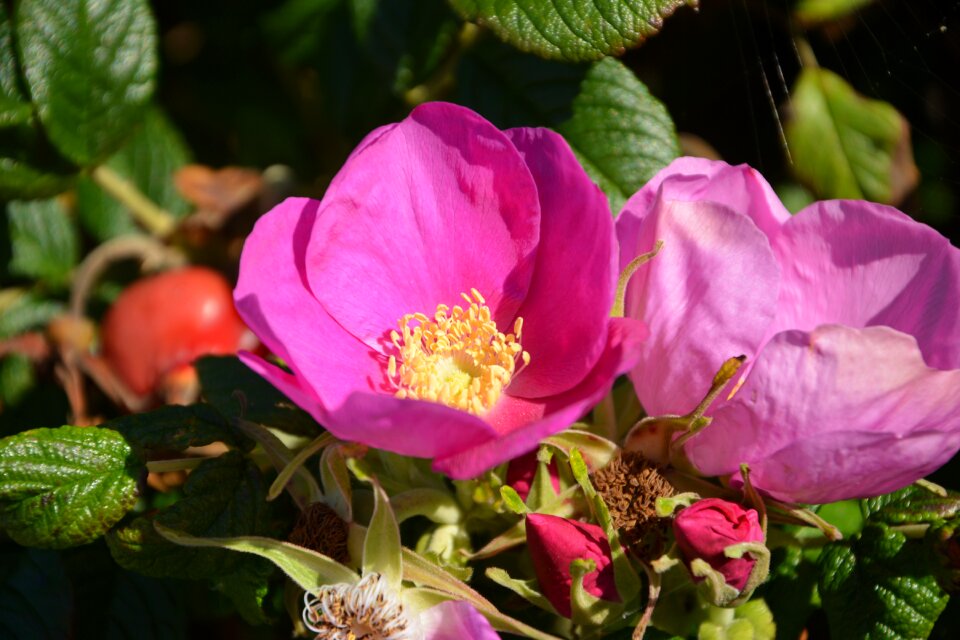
(522, 470)
(707, 527)
(556, 542)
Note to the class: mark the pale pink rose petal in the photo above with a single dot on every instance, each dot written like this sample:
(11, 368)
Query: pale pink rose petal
(437, 205)
(709, 295)
(862, 264)
(687, 179)
(273, 299)
(835, 413)
(521, 423)
(568, 304)
(455, 620)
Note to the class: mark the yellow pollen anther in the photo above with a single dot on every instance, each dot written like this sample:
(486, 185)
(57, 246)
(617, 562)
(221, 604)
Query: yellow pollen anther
(459, 358)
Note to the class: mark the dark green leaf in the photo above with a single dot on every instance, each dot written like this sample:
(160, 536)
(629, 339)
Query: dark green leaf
(149, 160)
(29, 166)
(880, 586)
(44, 239)
(621, 134)
(247, 588)
(65, 487)
(235, 390)
(176, 427)
(89, 66)
(16, 379)
(14, 107)
(223, 497)
(21, 311)
(846, 146)
(34, 595)
(791, 592)
(911, 505)
(564, 30)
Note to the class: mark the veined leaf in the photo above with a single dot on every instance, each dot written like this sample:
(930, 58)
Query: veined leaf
(44, 239)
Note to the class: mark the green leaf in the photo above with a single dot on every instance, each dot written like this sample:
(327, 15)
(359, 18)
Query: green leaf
(791, 592)
(65, 487)
(620, 133)
(90, 67)
(880, 585)
(572, 31)
(34, 595)
(176, 427)
(14, 107)
(845, 145)
(236, 391)
(44, 240)
(816, 11)
(911, 505)
(149, 160)
(247, 589)
(21, 311)
(224, 496)
(16, 379)
(29, 166)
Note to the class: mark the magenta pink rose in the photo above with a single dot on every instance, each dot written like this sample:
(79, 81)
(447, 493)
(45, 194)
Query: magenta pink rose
(848, 313)
(707, 527)
(448, 298)
(554, 543)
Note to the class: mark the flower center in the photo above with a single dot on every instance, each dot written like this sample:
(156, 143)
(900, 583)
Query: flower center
(368, 610)
(459, 358)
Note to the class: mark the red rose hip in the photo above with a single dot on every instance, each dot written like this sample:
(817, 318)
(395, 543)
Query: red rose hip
(165, 321)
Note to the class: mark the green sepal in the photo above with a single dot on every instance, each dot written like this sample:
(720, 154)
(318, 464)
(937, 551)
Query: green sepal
(337, 492)
(280, 483)
(596, 451)
(626, 578)
(667, 506)
(587, 609)
(750, 621)
(526, 589)
(434, 505)
(307, 568)
(419, 599)
(714, 588)
(381, 547)
(541, 489)
(512, 500)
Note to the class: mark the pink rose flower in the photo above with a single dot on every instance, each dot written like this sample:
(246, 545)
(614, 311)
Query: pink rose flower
(848, 313)
(448, 298)
(707, 527)
(556, 542)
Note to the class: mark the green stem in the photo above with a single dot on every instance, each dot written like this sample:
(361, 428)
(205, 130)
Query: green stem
(158, 222)
(636, 263)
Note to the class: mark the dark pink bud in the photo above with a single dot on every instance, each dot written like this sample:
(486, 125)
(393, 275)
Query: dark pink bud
(556, 542)
(707, 527)
(521, 471)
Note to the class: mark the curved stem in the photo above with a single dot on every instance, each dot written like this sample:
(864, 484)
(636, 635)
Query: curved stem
(153, 218)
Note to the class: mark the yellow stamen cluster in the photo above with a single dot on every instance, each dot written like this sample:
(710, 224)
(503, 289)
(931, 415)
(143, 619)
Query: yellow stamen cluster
(459, 358)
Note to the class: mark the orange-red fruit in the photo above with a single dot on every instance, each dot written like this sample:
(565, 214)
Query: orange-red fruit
(164, 321)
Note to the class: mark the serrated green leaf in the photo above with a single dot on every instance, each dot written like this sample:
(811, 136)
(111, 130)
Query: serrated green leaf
(911, 505)
(571, 30)
(21, 311)
(235, 390)
(176, 427)
(880, 585)
(847, 146)
(816, 11)
(89, 66)
(65, 487)
(149, 161)
(34, 595)
(14, 107)
(44, 240)
(620, 133)
(223, 497)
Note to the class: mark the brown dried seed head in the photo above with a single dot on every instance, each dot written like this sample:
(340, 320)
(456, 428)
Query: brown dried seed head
(320, 529)
(630, 486)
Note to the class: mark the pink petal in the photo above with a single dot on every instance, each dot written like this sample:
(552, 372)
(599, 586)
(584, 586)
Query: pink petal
(523, 422)
(833, 414)
(862, 264)
(740, 188)
(275, 301)
(437, 205)
(566, 309)
(709, 295)
(455, 620)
